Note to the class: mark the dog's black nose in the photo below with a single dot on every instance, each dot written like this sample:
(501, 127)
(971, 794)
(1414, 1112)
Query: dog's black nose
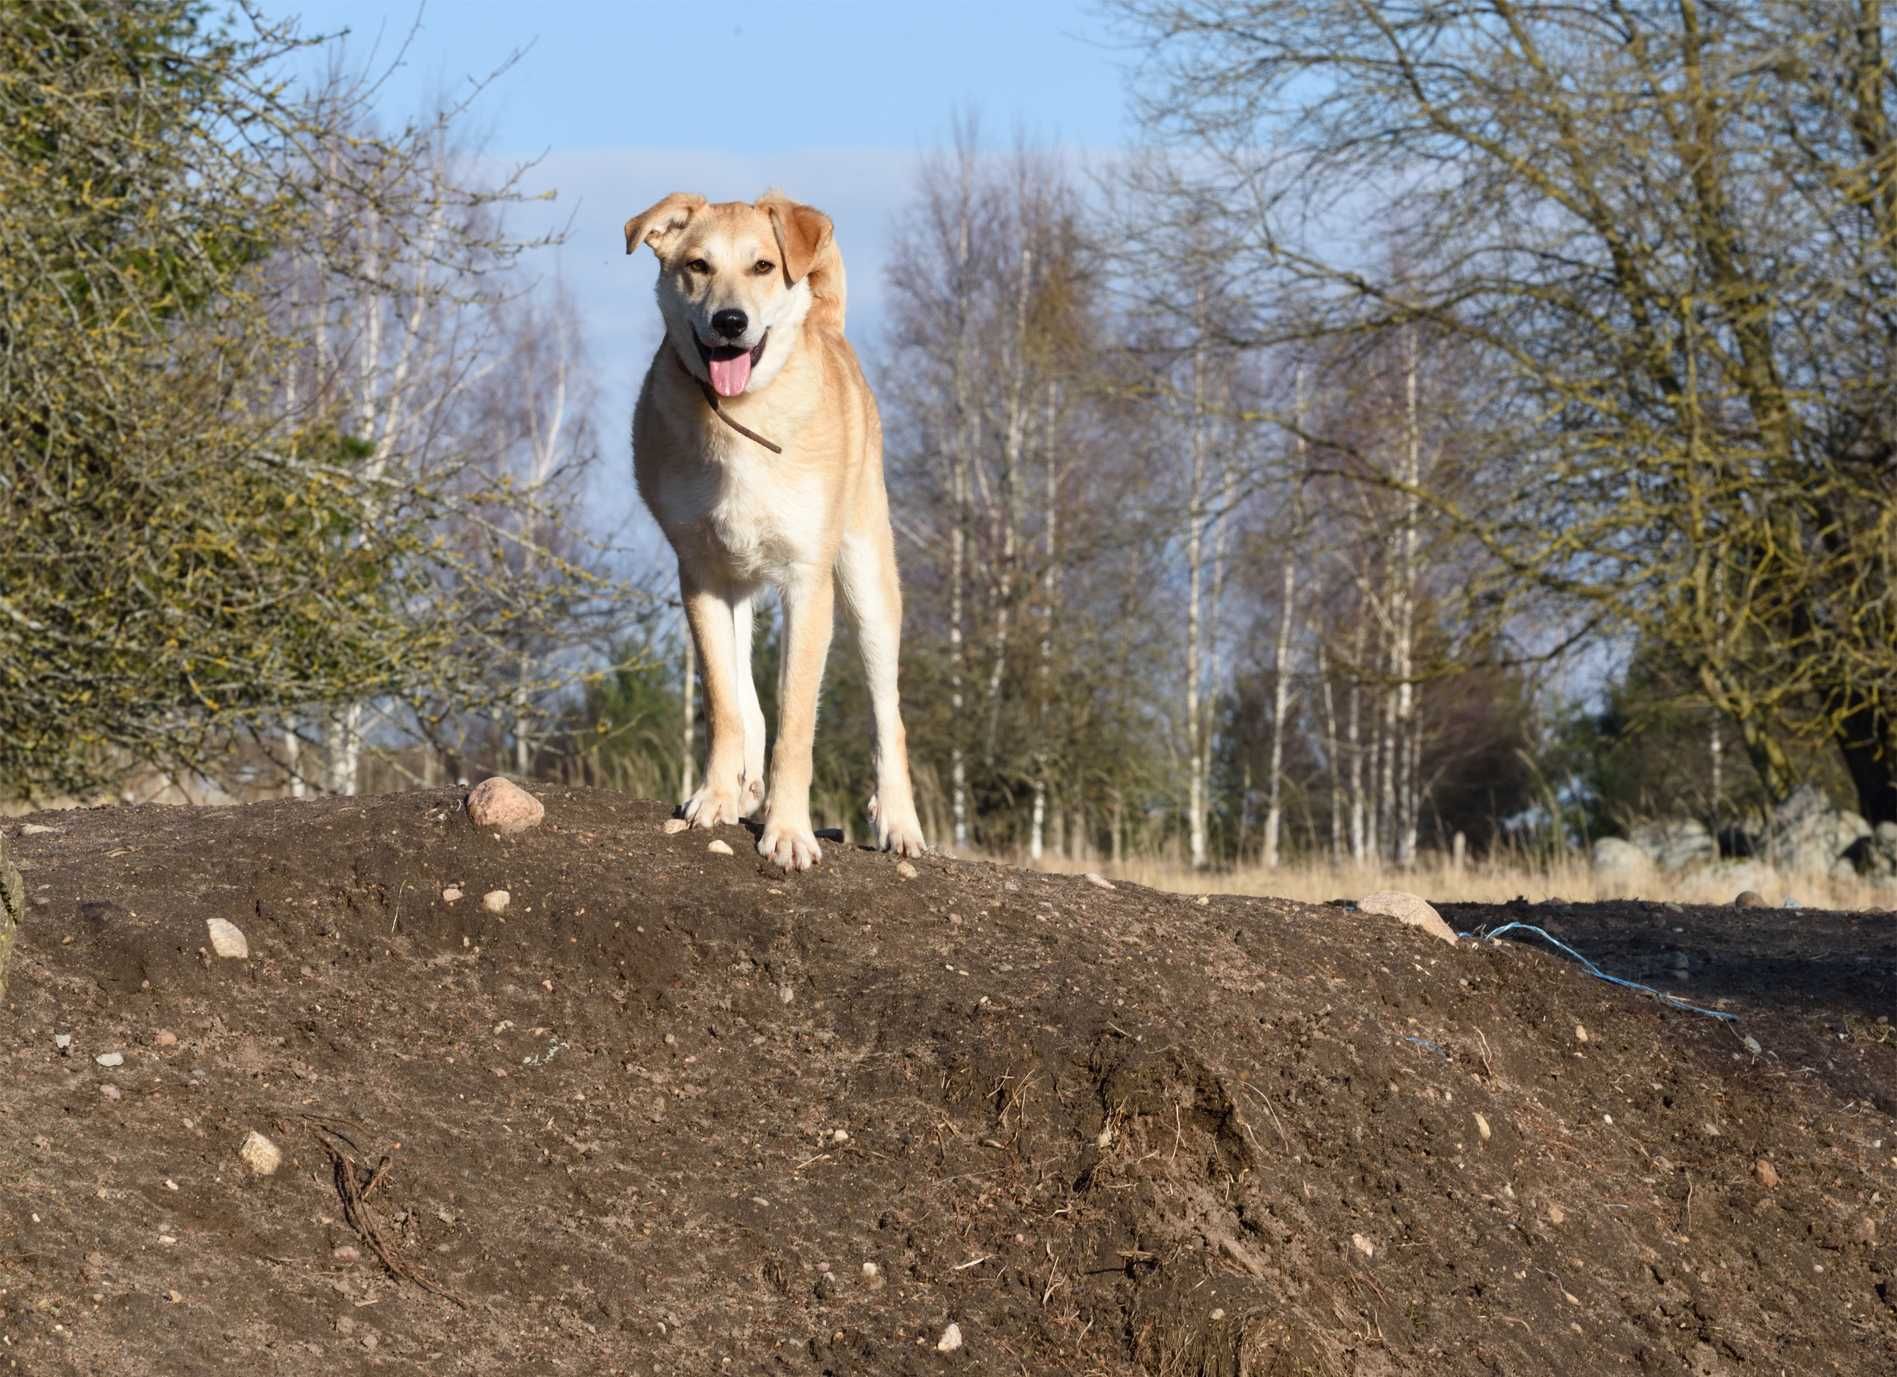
(730, 324)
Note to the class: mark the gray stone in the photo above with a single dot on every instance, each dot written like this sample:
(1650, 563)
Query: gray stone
(227, 939)
(1410, 909)
(1614, 858)
(1807, 835)
(1675, 843)
(1874, 856)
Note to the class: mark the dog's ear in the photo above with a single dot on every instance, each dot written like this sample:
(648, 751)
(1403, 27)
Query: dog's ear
(659, 225)
(803, 233)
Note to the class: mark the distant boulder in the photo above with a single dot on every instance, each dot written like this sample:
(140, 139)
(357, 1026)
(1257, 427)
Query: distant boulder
(1675, 843)
(1614, 858)
(1809, 836)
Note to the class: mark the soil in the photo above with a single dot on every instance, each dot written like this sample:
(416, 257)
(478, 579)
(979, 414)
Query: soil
(674, 1112)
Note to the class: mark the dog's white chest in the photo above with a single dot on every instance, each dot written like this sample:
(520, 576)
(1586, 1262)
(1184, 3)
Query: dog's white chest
(761, 514)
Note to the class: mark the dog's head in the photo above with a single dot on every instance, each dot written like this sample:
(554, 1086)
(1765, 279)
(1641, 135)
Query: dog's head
(733, 282)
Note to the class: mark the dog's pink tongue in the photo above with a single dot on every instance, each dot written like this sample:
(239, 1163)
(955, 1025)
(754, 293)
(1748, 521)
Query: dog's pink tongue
(728, 376)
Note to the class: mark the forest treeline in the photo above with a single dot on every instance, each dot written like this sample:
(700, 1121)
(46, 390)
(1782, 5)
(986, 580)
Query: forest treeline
(1452, 422)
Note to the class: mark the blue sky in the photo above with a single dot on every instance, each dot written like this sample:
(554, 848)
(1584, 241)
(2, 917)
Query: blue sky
(833, 100)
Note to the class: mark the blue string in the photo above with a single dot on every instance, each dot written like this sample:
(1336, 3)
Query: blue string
(1600, 974)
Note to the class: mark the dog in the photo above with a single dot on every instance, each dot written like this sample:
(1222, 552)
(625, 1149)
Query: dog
(759, 451)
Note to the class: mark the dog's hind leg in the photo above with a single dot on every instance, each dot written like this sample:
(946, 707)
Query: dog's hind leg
(872, 597)
(743, 612)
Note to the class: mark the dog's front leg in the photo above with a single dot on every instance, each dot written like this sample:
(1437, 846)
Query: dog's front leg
(719, 799)
(809, 602)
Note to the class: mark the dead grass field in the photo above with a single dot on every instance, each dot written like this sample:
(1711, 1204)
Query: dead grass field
(1570, 881)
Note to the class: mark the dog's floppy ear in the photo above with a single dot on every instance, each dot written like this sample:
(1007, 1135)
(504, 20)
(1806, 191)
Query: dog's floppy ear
(659, 225)
(803, 233)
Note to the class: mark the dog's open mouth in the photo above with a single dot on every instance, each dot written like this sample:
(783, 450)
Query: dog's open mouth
(730, 365)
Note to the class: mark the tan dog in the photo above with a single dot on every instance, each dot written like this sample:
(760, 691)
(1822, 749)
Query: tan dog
(754, 362)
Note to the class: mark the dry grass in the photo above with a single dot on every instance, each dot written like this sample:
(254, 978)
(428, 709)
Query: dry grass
(1570, 880)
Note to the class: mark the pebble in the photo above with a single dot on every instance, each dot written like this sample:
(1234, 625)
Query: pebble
(1100, 881)
(346, 1253)
(111, 1092)
(906, 870)
(951, 1339)
(1482, 1127)
(842, 1135)
(451, 895)
(871, 1270)
(1410, 909)
(227, 939)
(1750, 898)
(504, 806)
(164, 1037)
(1557, 1216)
(1752, 1045)
(260, 1154)
(63, 1041)
(496, 900)
(673, 826)
(110, 1058)
(719, 848)
(1580, 1032)
(1363, 1245)
(1767, 1173)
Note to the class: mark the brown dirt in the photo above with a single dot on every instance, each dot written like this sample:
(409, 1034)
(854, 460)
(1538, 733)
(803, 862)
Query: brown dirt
(1101, 1132)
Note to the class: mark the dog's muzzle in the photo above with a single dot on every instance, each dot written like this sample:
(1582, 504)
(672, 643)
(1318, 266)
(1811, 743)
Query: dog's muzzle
(730, 365)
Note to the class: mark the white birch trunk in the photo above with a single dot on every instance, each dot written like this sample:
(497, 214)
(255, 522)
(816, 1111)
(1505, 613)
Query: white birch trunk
(1195, 533)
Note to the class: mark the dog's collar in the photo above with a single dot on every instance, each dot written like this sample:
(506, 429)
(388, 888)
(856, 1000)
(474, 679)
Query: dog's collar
(711, 400)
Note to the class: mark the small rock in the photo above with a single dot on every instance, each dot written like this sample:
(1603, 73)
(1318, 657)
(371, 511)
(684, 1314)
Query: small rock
(63, 1041)
(346, 1253)
(1752, 1045)
(1363, 1245)
(111, 1092)
(673, 826)
(785, 994)
(345, 1326)
(1866, 1231)
(842, 1135)
(871, 1270)
(719, 848)
(1767, 1173)
(906, 870)
(1580, 1032)
(227, 939)
(951, 1339)
(369, 1341)
(35, 829)
(1750, 898)
(1482, 1127)
(1557, 1216)
(261, 1155)
(175, 1297)
(1410, 909)
(164, 1037)
(451, 895)
(110, 1058)
(1102, 882)
(496, 900)
(504, 806)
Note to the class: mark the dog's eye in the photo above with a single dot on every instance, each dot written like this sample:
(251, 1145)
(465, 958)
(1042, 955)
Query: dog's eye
(698, 265)
(763, 266)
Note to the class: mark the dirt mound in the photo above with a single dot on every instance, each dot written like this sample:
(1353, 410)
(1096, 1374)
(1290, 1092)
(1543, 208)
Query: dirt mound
(670, 1111)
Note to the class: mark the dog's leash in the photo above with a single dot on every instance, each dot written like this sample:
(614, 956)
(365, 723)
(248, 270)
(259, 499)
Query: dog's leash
(711, 400)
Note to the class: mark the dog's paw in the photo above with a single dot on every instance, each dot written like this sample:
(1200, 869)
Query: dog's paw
(897, 829)
(789, 845)
(751, 796)
(712, 806)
